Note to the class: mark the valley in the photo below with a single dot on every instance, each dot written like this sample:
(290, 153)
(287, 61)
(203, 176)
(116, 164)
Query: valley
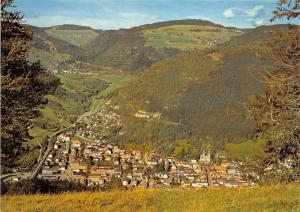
(150, 105)
(178, 88)
(80, 94)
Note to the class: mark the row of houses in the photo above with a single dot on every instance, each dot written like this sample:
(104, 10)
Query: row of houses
(103, 123)
(98, 162)
(57, 160)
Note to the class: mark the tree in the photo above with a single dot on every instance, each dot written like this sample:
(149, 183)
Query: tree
(277, 111)
(23, 85)
(287, 9)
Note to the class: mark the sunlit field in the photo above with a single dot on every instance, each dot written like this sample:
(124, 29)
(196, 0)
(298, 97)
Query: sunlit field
(266, 198)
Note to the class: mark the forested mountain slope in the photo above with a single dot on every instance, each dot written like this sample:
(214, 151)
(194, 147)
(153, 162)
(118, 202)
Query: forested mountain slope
(129, 50)
(201, 96)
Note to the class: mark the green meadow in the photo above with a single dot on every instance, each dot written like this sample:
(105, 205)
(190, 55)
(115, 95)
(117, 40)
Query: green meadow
(187, 36)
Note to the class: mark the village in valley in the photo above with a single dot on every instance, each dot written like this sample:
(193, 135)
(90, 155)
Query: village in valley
(83, 156)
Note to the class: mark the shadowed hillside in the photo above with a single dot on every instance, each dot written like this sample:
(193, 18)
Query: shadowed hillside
(137, 48)
(50, 50)
(130, 50)
(201, 95)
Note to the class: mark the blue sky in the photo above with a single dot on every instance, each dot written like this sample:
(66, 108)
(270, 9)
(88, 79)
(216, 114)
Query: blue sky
(115, 14)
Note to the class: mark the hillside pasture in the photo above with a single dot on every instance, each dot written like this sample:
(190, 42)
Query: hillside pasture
(266, 198)
(78, 38)
(186, 37)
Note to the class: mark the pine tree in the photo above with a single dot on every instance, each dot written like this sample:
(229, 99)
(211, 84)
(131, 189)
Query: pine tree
(23, 85)
(277, 111)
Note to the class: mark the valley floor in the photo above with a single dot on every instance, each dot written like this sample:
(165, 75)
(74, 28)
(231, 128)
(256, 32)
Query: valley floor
(266, 198)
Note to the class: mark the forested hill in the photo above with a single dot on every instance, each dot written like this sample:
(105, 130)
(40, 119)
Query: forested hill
(129, 50)
(201, 95)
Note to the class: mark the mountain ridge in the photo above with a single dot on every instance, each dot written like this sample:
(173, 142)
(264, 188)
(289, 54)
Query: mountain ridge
(201, 95)
(131, 49)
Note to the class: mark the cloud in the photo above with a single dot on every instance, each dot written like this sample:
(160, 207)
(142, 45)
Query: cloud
(254, 15)
(121, 20)
(256, 21)
(255, 11)
(229, 13)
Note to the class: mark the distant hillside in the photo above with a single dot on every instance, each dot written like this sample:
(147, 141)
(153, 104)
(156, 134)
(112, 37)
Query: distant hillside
(125, 49)
(77, 36)
(69, 27)
(201, 95)
(50, 50)
(137, 48)
(178, 22)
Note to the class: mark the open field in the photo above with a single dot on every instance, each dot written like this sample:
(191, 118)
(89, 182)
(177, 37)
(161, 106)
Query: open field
(78, 94)
(249, 148)
(47, 58)
(78, 38)
(115, 81)
(187, 36)
(268, 198)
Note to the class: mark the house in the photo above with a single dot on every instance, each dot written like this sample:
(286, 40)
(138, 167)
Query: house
(133, 183)
(205, 157)
(47, 171)
(76, 143)
(152, 183)
(117, 174)
(151, 163)
(193, 161)
(103, 171)
(125, 181)
(138, 172)
(147, 115)
(93, 180)
(185, 184)
(190, 177)
(199, 185)
(219, 169)
(141, 114)
(62, 169)
(173, 169)
(116, 161)
(144, 184)
(232, 172)
(231, 184)
(16, 179)
(78, 167)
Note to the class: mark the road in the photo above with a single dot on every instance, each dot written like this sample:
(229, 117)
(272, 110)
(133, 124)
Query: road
(54, 135)
(49, 148)
(38, 167)
(6, 177)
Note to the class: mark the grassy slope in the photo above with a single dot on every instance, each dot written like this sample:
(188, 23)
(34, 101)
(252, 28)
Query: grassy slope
(78, 38)
(50, 50)
(137, 48)
(77, 88)
(246, 149)
(130, 49)
(76, 83)
(267, 198)
(47, 58)
(186, 36)
(116, 81)
(204, 92)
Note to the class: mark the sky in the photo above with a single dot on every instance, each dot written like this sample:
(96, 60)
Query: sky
(116, 14)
